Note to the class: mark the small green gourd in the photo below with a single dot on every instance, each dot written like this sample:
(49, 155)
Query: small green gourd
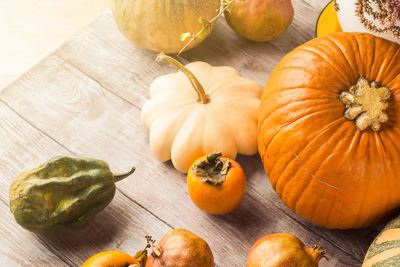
(62, 192)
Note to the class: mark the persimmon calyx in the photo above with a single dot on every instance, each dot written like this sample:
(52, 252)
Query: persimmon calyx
(366, 104)
(212, 170)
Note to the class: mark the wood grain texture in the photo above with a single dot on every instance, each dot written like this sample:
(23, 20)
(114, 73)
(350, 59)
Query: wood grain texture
(122, 225)
(85, 100)
(99, 124)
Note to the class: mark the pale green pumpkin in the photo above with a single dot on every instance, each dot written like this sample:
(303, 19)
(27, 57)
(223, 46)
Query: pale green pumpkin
(158, 24)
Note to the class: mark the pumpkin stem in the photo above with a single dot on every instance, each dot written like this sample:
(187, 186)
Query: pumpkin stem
(203, 98)
(366, 104)
(316, 254)
(155, 252)
(120, 176)
(212, 170)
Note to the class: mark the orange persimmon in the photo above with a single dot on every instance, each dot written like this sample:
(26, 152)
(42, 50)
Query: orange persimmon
(216, 184)
(110, 258)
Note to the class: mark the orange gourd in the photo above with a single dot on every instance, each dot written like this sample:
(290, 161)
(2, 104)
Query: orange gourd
(329, 132)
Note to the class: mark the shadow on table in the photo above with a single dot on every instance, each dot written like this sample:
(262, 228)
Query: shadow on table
(103, 230)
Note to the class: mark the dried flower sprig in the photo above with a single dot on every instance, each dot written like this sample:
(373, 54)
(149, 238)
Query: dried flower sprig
(336, 6)
(379, 16)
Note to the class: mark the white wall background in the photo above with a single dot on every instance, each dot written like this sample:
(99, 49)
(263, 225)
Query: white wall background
(31, 29)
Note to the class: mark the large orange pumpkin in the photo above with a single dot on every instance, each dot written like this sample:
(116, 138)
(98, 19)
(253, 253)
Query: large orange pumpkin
(329, 130)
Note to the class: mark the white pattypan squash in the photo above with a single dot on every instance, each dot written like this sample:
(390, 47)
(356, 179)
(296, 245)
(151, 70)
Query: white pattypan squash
(201, 110)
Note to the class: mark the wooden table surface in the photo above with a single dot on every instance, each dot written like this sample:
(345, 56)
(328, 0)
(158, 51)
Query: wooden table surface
(85, 99)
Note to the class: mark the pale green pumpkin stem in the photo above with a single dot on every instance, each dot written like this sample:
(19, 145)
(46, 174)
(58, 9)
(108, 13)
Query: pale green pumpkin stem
(120, 176)
(225, 6)
(203, 98)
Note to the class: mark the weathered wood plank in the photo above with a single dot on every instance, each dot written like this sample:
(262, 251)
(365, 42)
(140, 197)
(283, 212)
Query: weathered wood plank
(18, 247)
(89, 120)
(122, 225)
(14, 249)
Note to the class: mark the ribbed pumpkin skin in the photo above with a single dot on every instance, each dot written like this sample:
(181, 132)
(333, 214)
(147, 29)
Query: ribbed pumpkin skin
(323, 168)
(385, 250)
(157, 24)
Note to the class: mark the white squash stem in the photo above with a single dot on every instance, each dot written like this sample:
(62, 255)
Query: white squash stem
(203, 98)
